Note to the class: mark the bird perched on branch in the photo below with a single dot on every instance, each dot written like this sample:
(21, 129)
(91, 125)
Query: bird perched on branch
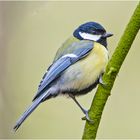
(77, 67)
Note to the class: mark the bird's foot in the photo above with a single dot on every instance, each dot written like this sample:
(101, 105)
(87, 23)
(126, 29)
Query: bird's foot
(102, 82)
(87, 116)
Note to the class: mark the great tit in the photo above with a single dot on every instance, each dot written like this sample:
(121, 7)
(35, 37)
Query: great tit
(76, 69)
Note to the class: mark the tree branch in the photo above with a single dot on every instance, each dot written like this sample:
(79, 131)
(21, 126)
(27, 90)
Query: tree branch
(109, 77)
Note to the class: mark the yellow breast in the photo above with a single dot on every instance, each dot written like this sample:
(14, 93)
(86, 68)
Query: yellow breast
(86, 71)
(94, 65)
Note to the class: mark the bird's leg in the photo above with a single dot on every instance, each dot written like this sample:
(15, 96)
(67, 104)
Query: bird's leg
(101, 81)
(83, 110)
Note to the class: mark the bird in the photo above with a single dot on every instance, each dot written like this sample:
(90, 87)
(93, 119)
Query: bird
(77, 68)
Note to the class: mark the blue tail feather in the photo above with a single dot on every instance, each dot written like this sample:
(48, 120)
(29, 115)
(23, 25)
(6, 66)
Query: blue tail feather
(31, 108)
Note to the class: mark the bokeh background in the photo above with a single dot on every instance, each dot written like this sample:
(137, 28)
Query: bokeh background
(30, 34)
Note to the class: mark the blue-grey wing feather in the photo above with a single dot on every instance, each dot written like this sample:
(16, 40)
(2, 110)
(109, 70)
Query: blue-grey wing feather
(61, 65)
(58, 67)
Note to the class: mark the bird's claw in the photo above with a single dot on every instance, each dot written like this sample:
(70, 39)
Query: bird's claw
(102, 82)
(87, 116)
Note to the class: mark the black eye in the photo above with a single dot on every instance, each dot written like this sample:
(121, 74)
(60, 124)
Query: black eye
(95, 32)
(100, 31)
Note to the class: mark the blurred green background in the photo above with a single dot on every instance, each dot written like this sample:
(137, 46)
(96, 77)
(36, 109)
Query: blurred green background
(30, 34)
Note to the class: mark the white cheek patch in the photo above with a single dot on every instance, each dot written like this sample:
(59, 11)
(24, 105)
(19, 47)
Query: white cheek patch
(89, 36)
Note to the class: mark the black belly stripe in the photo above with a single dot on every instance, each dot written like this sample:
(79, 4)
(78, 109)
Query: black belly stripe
(81, 92)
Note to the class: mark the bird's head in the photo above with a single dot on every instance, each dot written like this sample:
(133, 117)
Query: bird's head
(92, 31)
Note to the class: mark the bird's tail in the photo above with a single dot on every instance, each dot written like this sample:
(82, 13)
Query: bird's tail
(30, 110)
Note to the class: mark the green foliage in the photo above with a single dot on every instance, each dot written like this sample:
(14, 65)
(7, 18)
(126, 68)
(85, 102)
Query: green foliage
(109, 77)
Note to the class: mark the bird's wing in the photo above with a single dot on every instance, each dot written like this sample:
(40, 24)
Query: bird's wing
(77, 52)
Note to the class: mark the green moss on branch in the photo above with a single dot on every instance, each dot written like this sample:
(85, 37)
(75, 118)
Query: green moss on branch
(109, 77)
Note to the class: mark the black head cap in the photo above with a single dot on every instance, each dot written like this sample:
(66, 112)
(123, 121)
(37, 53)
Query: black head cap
(89, 27)
(92, 28)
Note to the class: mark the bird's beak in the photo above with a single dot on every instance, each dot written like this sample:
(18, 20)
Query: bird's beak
(107, 35)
